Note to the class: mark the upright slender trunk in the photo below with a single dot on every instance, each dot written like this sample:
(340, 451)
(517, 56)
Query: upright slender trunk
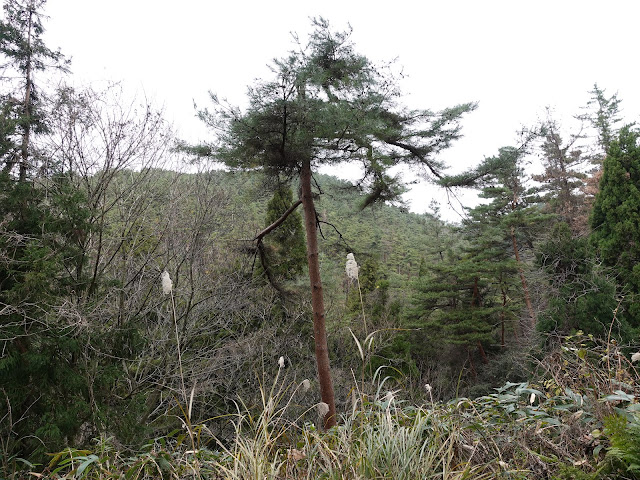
(475, 302)
(523, 280)
(24, 148)
(502, 313)
(317, 299)
(471, 364)
(482, 353)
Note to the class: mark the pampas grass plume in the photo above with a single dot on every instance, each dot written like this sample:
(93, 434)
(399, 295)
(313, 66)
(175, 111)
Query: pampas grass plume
(352, 267)
(306, 385)
(167, 284)
(323, 409)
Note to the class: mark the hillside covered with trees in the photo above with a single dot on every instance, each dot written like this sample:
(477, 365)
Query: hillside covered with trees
(225, 310)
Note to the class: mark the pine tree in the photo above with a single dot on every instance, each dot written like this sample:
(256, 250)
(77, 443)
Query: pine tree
(468, 300)
(449, 304)
(563, 178)
(603, 116)
(326, 105)
(513, 208)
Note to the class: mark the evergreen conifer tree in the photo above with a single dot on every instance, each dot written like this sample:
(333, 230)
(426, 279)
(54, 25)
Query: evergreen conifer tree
(615, 218)
(563, 180)
(44, 391)
(22, 47)
(513, 207)
(327, 104)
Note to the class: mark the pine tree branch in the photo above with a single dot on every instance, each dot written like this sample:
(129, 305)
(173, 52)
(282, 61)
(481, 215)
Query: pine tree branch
(278, 222)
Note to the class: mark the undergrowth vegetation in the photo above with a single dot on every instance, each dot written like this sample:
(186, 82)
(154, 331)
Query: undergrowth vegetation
(577, 419)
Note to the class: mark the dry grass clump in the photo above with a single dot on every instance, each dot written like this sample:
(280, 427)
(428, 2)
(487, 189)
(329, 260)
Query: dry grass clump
(381, 438)
(577, 421)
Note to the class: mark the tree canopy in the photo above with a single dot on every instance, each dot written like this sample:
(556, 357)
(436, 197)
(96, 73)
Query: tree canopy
(327, 104)
(616, 234)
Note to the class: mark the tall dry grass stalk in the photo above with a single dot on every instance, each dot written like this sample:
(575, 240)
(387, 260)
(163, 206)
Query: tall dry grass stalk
(187, 406)
(382, 440)
(353, 273)
(261, 439)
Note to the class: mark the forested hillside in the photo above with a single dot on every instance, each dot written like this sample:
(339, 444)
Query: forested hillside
(223, 310)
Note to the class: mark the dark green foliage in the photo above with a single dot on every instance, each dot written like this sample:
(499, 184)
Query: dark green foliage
(616, 230)
(468, 301)
(284, 248)
(624, 453)
(330, 104)
(562, 182)
(581, 296)
(584, 292)
(603, 115)
(25, 53)
(21, 32)
(512, 217)
(450, 298)
(90, 345)
(511, 201)
(471, 298)
(49, 381)
(43, 382)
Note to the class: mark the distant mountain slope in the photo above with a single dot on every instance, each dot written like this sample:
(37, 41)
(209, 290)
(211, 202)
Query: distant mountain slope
(397, 239)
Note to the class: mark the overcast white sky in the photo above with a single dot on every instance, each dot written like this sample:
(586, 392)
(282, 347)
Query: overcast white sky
(514, 57)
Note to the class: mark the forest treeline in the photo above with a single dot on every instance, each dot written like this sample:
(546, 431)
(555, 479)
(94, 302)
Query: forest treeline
(142, 280)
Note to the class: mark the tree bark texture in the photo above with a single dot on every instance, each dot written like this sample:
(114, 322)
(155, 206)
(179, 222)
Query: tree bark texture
(317, 299)
(523, 280)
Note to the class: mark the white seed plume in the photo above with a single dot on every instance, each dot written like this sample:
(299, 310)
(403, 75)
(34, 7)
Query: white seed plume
(306, 385)
(352, 267)
(427, 387)
(532, 398)
(281, 362)
(167, 284)
(635, 357)
(323, 409)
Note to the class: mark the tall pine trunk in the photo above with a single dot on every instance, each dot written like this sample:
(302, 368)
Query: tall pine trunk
(523, 279)
(317, 298)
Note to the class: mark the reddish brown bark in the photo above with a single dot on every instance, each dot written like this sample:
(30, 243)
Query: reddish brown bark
(482, 353)
(502, 313)
(317, 299)
(523, 280)
(471, 365)
(475, 296)
(475, 302)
